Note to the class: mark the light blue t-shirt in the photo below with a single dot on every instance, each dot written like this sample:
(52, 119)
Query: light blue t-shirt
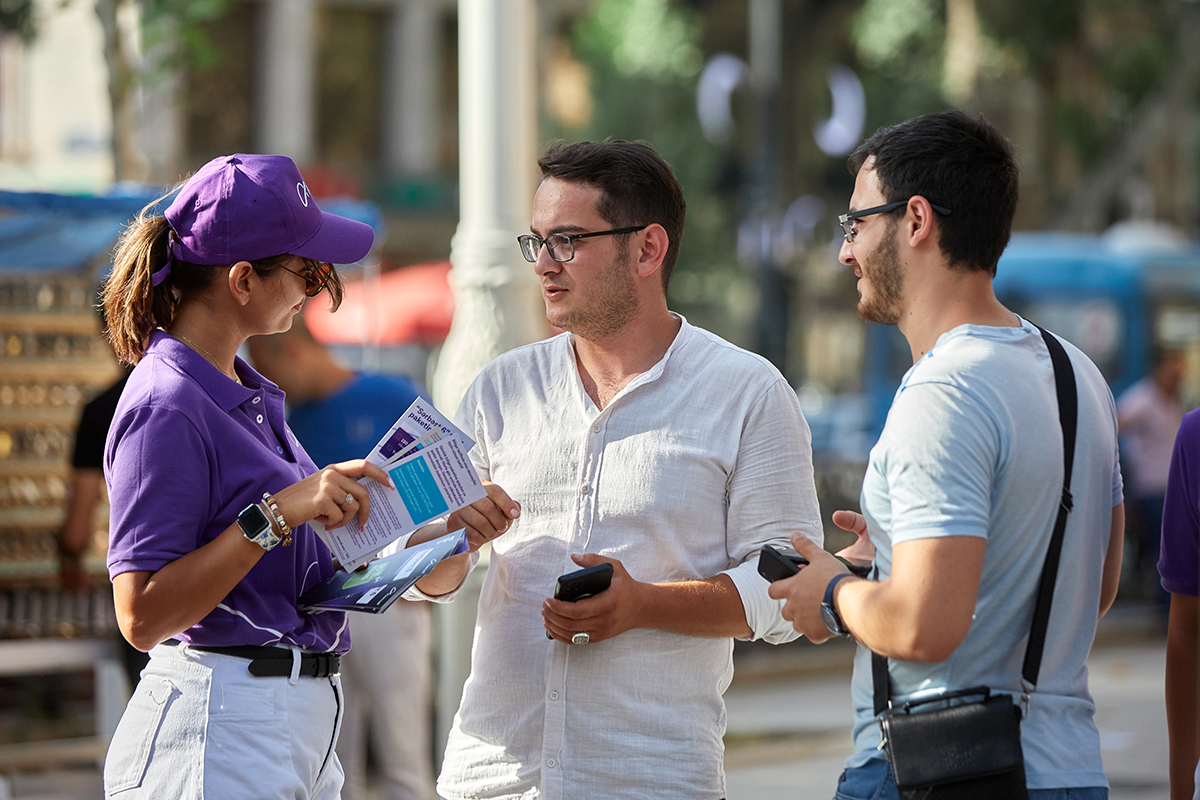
(972, 446)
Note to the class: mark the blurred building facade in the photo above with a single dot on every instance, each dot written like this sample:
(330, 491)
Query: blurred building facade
(361, 93)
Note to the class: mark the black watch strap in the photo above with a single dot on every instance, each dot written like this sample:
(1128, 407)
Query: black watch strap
(832, 615)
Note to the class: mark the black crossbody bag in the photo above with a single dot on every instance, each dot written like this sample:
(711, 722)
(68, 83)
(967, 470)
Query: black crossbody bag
(973, 749)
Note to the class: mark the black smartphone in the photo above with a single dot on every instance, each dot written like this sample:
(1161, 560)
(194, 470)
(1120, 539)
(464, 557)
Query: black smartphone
(775, 565)
(583, 583)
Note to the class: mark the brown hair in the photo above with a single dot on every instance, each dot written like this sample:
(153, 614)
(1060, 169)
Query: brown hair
(637, 186)
(134, 306)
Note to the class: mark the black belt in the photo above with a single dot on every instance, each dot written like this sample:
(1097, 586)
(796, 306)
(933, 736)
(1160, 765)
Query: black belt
(275, 662)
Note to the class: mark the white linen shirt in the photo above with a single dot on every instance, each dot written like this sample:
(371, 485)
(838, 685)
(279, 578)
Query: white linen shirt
(686, 473)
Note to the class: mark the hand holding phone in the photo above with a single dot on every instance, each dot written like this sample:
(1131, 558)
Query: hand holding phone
(774, 565)
(583, 583)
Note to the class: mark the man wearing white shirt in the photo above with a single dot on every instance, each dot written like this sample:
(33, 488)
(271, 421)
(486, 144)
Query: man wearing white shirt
(638, 440)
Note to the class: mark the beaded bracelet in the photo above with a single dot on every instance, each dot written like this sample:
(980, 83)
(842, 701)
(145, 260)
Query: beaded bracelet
(284, 530)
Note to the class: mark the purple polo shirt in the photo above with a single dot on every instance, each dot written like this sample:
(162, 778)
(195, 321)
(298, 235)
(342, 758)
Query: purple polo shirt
(189, 449)
(1179, 558)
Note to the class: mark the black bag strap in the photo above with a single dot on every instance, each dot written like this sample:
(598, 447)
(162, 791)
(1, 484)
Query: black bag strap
(1068, 417)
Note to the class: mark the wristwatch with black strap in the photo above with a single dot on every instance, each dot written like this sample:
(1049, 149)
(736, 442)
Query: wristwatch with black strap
(829, 613)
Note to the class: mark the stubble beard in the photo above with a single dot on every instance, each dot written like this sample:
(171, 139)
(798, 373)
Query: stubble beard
(886, 278)
(612, 303)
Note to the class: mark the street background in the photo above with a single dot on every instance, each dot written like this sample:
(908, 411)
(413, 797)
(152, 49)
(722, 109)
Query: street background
(425, 117)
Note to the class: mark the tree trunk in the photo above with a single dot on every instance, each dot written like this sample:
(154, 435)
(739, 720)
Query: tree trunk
(122, 79)
(1094, 195)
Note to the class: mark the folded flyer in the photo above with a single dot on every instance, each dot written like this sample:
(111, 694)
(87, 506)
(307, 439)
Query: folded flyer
(375, 587)
(418, 419)
(431, 482)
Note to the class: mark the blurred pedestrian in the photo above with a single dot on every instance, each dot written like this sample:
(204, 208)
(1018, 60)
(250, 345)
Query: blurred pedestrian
(1148, 416)
(74, 538)
(86, 490)
(641, 442)
(1179, 566)
(964, 486)
(339, 415)
(210, 495)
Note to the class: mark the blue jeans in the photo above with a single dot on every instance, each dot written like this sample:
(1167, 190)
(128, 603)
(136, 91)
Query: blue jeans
(874, 782)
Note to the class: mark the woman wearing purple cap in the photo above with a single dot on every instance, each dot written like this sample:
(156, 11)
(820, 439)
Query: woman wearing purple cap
(211, 495)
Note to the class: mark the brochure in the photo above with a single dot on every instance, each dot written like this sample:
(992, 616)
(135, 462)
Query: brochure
(418, 420)
(431, 482)
(375, 587)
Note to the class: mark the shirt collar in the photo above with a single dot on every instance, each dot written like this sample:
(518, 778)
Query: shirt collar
(225, 393)
(654, 373)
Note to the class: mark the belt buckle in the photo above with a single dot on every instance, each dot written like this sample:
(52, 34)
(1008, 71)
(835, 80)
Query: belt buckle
(327, 664)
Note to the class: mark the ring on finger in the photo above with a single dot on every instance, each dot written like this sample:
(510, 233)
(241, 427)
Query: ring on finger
(582, 637)
(349, 499)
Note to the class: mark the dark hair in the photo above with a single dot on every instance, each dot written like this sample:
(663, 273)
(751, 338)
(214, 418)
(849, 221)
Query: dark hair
(956, 161)
(637, 187)
(134, 306)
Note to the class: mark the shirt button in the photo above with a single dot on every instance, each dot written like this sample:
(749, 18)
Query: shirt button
(585, 489)
(551, 763)
(280, 449)
(260, 417)
(255, 400)
(595, 429)
(554, 695)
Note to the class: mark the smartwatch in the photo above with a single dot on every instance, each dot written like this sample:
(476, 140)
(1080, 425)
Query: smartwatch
(256, 526)
(829, 614)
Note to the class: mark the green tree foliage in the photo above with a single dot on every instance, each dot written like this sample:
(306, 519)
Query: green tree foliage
(1084, 70)
(17, 17)
(181, 26)
(643, 58)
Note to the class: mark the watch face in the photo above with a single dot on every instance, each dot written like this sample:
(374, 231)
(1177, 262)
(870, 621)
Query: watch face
(253, 521)
(830, 621)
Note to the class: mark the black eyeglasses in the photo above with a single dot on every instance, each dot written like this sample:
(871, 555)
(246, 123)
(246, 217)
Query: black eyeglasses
(315, 275)
(847, 220)
(562, 245)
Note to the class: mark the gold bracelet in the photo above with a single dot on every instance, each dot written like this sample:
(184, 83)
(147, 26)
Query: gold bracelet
(284, 530)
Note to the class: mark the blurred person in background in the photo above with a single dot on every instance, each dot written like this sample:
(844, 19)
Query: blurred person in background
(1179, 566)
(339, 415)
(74, 538)
(1148, 415)
(210, 495)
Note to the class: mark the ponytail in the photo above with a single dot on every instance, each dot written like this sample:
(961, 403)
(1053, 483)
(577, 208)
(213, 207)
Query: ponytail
(133, 305)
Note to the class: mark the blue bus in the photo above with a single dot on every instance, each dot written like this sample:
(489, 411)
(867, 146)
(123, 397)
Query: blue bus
(1114, 297)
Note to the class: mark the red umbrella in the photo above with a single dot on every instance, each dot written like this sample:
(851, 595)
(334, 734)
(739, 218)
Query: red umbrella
(407, 305)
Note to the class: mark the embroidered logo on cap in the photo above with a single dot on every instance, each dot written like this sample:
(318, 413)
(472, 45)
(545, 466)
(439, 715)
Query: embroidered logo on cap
(305, 194)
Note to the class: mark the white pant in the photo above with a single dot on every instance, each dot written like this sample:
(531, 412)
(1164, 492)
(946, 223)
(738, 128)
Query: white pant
(199, 725)
(387, 676)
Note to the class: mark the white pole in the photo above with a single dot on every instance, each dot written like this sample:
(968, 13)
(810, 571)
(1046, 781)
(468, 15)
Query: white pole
(287, 80)
(496, 297)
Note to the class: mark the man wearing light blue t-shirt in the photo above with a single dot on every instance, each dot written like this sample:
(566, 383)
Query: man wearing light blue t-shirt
(962, 489)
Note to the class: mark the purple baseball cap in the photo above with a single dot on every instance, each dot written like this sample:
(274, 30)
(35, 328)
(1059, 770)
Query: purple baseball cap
(245, 207)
